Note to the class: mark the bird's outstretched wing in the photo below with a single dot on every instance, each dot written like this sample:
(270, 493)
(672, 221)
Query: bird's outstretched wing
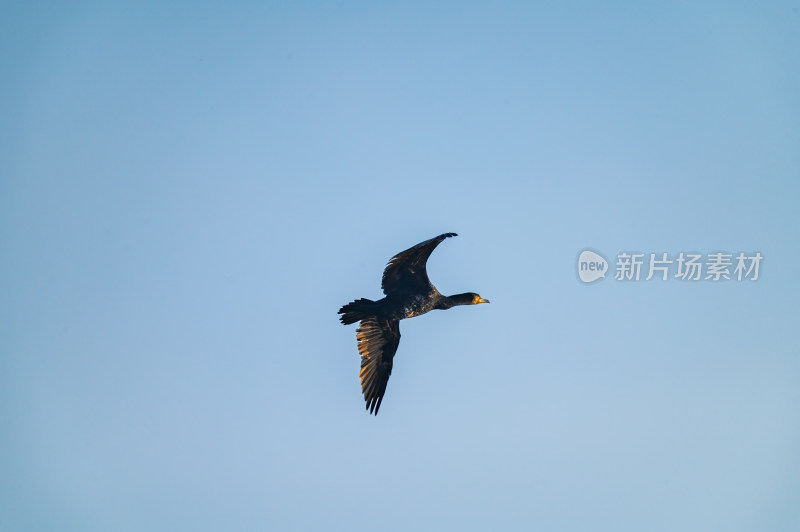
(377, 342)
(406, 270)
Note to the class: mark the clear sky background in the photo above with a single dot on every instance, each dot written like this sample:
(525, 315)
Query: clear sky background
(190, 191)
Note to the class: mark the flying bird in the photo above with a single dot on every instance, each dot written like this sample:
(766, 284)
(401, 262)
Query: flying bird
(409, 293)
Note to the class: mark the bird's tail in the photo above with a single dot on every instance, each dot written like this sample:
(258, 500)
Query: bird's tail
(357, 311)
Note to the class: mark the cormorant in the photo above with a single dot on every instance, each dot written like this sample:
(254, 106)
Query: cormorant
(409, 293)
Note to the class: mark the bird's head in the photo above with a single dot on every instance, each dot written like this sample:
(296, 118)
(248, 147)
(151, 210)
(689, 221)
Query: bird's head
(476, 299)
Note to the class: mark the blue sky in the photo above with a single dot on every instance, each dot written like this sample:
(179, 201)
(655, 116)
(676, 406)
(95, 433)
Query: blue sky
(189, 192)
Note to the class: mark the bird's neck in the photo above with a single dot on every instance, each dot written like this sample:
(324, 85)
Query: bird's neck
(446, 302)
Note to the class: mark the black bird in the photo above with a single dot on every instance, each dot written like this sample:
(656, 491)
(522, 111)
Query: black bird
(409, 293)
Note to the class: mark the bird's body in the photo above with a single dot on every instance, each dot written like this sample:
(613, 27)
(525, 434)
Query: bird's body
(409, 293)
